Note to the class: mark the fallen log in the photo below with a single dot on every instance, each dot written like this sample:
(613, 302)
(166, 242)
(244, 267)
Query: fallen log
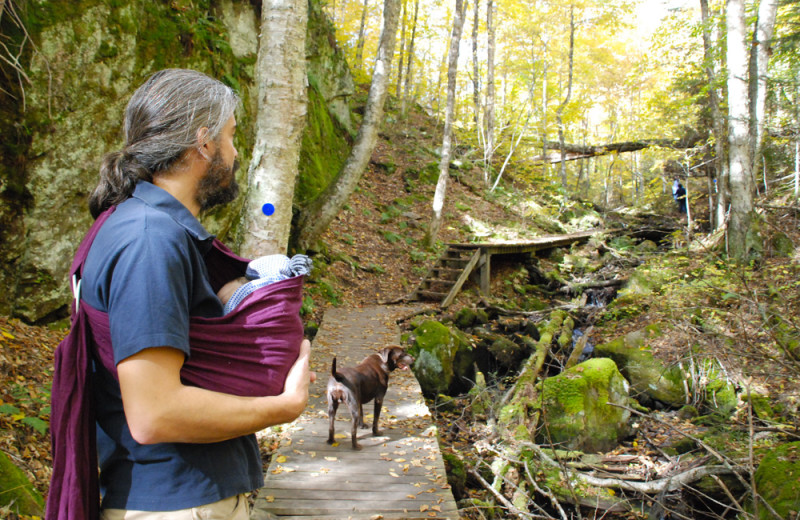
(577, 151)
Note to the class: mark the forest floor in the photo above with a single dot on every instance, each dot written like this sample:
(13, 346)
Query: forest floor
(375, 254)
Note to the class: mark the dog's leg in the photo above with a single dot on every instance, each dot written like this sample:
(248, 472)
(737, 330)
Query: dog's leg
(357, 417)
(333, 405)
(361, 415)
(377, 415)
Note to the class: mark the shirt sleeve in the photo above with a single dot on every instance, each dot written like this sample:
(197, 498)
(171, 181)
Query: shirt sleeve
(149, 296)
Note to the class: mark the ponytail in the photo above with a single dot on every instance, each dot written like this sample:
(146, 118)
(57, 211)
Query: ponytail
(119, 174)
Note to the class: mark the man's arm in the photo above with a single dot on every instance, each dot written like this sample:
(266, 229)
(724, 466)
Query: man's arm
(160, 408)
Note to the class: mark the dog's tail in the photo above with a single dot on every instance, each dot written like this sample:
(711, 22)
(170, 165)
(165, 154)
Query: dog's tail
(340, 377)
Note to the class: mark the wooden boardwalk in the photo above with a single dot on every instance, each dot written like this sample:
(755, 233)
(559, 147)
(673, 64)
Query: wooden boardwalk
(398, 475)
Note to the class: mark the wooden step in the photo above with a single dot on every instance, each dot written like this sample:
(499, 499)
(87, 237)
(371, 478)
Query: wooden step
(439, 280)
(432, 294)
(446, 269)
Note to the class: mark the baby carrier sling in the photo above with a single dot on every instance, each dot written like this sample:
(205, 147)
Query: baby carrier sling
(247, 352)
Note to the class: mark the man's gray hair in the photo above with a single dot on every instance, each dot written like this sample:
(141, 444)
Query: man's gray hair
(162, 120)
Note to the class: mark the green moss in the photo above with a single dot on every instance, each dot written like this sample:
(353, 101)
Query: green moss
(456, 472)
(324, 149)
(575, 406)
(18, 494)
(646, 374)
(777, 480)
(441, 354)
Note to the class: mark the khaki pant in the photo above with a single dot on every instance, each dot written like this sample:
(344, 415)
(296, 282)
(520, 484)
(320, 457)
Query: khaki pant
(233, 508)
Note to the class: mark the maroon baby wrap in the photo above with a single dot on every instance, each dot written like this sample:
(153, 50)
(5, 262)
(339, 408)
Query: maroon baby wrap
(247, 352)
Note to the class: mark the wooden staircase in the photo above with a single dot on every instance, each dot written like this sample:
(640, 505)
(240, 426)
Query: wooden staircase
(448, 274)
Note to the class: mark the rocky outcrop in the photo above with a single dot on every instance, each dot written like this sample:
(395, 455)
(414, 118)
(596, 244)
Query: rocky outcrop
(62, 111)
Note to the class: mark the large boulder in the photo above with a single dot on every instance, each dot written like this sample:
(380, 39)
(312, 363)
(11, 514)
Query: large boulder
(583, 407)
(647, 375)
(444, 358)
(777, 480)
(705, 380)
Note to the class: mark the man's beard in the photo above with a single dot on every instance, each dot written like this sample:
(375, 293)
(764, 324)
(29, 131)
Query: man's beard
(212, 190)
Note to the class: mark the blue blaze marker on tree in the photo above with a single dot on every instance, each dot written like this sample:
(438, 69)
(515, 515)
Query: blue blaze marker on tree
(268, 209)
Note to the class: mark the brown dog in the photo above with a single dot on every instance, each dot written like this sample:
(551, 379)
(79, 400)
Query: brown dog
(356, 386)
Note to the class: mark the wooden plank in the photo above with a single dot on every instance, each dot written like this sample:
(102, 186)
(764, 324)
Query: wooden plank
(461, 279)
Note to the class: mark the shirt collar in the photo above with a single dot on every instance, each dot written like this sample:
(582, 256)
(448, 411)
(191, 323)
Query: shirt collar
(161, 200)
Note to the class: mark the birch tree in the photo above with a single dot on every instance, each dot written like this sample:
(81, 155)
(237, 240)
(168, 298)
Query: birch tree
(489, 116)
(274, 167)
(563, 105)
(476, 71)
(741, 180)
(718, 210)
(315, 218)
(444, 161)
(362, 34)
(759, 59)
(409, 62)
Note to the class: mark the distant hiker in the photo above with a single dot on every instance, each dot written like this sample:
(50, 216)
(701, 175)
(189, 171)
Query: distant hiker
(679, 194)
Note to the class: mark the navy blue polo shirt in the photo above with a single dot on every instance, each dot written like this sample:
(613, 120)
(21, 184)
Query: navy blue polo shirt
(146, 270)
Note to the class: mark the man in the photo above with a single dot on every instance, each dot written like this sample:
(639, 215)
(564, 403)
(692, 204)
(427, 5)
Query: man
(679, 194)
(164, 446)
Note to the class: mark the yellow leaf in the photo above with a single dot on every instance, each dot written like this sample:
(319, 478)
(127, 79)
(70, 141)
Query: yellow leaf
(331, 459)
(8, 335)
(281, 459)
(423, 508)
(270, 499)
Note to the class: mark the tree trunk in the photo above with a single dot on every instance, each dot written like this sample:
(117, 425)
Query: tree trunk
(759, 59)
(563, 105)
(318, 215)
(281, 79)
(399, 88)
(409, 69)
(488, 150)
(444, 161)
(362, 29)
(544, 107)
(720, 164)
(476, 86)
(741, 179)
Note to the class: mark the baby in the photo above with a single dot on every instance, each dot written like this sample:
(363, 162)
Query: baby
(261, 272)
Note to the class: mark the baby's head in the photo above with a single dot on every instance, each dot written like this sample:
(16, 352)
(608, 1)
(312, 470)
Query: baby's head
(229, 288)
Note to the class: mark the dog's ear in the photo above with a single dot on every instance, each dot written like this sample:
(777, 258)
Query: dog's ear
(385, 354)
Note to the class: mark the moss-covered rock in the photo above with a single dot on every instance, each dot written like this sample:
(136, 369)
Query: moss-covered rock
(469, 317)
(777, 480)
(647, 375)
(18, 494)
(444, 357)
(456, 473)
(578, 407)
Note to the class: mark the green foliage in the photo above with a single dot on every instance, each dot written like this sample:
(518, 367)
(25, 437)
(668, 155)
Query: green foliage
(31, 408)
